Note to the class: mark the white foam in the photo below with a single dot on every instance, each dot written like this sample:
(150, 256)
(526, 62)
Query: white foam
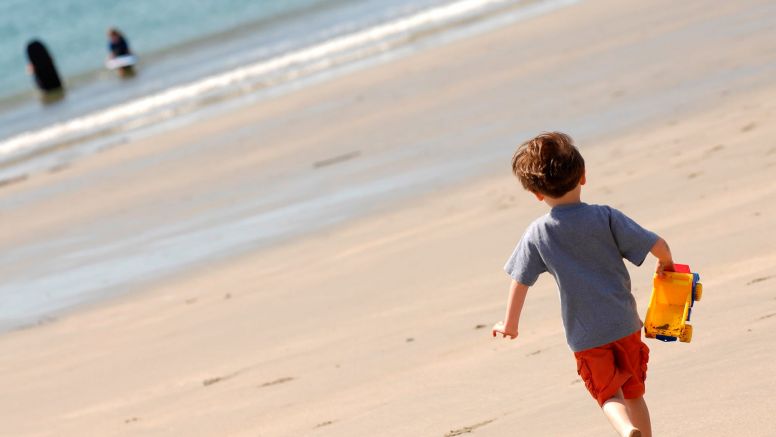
(288, 66)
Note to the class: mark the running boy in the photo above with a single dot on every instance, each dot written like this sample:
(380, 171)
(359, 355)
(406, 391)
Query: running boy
(582, 246)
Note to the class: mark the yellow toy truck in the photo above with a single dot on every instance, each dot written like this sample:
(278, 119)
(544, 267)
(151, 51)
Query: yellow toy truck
(671, 304)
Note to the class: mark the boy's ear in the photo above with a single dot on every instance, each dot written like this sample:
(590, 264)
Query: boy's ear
(539, 196)
(583, 179)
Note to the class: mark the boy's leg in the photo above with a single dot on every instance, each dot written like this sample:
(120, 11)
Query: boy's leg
(639, 415)
(617, 413)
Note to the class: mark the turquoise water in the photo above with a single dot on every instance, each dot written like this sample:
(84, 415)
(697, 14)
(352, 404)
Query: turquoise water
(114, 252)
(184, 80)
(192, 54)
(74, 30)
(195, 55)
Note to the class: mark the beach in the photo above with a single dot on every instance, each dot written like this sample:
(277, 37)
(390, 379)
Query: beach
(328, 261)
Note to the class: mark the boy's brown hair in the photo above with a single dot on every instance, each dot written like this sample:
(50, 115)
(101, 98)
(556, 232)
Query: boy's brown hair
(549, 164)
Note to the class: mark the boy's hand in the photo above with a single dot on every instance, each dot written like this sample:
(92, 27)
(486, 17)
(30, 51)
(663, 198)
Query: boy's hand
(664, 266)
(500, 328)
(665, 262)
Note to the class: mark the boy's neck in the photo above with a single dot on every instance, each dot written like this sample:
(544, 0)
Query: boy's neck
(572, 197)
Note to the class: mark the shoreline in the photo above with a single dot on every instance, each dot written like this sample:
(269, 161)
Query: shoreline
(310, 62)
(401, 167)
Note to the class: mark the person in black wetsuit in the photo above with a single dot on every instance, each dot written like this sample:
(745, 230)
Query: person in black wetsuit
(117, 47)
(41, 66)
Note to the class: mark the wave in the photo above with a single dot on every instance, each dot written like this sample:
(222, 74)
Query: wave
(283, 68)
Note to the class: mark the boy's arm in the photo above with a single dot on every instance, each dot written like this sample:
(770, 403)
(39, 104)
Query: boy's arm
(517, 293)
(665, 262)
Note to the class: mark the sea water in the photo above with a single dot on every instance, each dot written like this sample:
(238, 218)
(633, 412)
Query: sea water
(193, 54)
(194, 57)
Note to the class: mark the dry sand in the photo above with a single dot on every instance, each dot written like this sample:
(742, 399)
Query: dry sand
(380, 326)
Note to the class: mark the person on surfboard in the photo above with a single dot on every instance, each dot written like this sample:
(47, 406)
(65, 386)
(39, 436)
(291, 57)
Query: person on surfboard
(118, 47)
(117, 44)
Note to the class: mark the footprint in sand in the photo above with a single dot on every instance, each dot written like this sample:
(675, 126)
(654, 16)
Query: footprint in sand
(506, 202)
(277, 381)
(322, 424)
(467, 429)
(14, 180)
(211, 381)
(58, 168)
(694, 175)
(756, 280)
(217, 379)
(336, 159)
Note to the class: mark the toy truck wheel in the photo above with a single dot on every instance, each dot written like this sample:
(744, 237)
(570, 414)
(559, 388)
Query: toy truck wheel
(698, 291)
(686, 335)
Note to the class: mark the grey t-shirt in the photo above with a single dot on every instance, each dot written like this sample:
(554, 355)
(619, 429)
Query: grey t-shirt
(583, 246)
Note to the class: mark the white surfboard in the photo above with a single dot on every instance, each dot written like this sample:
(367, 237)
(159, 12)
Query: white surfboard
(121, 62)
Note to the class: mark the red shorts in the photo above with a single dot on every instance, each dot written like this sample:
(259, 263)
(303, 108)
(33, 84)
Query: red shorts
(621, 364)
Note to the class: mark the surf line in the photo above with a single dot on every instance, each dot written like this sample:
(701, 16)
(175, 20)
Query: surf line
(143, 106)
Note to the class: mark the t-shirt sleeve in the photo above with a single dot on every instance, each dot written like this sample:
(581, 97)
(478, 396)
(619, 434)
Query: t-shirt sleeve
(633, 241)
(526, 264)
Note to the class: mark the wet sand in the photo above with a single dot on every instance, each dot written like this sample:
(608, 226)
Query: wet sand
(338, 250)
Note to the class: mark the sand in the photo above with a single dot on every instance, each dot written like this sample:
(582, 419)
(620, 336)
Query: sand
(379, 325)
